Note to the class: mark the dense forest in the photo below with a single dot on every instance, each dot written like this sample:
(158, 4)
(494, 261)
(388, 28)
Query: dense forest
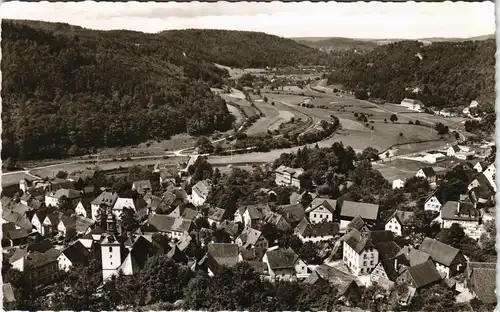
(68, 90)
(448, 74)
(338, 44)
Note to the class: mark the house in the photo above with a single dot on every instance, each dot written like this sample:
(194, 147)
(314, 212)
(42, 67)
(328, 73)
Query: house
(462, 213)
(344, 283)
(142, 187)
(284, 265)
(81, 176)
(432, 158)
(41, 268)
(480, 166)
(412, 104)
(480, 279)
(454, 149)
(287, 176)
(421, 275)
(15, 237)
(278, 220)
(251, 238)
(139, 205)
(296, 198)
(368, 212)
(427, 173)
(20, 221)
(449, 260)
(434, 202)
(199, 192)
(170, 226)
(83, 208)
(168, 176)
(397, 221)
(215, 215)
(191, 161)
(230, 228)
(67, 226)
(397, 184)
(219, 255)
(251, 215)
(182, 211)
(316, 232)
(360, 254)
(321, 210)
(489, 173)
(292, 214)
(481, 180)
(481, 196)
(54, 198)
(388, 270)
(73, 254)
(106, 199)
(359, 224)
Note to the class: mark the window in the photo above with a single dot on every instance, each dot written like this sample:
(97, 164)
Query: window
(364, 263)
(314, 215)
(371, 262)
(110, 249)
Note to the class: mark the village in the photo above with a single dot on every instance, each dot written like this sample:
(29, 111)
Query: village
(295, 231)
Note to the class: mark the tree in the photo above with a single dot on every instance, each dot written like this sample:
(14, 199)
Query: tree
(309, 253)
(370, 154)
(204, 145)
(394, 118)
(62, 174)
(266, 99)
(283, 195)
(361, 94)
(417, 122)
(129, 220)
(436, 298)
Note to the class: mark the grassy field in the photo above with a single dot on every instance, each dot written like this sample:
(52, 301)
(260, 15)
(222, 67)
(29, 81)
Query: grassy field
(14, 178)
(403, 169)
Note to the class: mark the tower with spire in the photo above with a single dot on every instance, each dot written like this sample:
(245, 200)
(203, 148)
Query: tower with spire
(110, 248)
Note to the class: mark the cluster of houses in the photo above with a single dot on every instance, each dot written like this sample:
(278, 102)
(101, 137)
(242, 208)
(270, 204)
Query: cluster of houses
(42, 240)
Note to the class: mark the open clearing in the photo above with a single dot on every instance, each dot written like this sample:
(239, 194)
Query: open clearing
(235, 112)
(284, 116)
(238, 72)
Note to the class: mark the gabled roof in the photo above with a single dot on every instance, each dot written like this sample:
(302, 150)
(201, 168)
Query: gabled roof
(202, 187)
(229, 227)
(216, 214)
(294, 172)
(335, 276)
(76, 253)
(365, 210)
(463, 211)
(292, 213)
(428, 171)
(20, 208)
(439, 252)
(320, 229)
(169, 173)
(254, 254)
(403, 216)
(356, 223)
(37, 259)
(224, 254)
(282, 258)
(414, 256)
(387, 250)
(68, 193)
(257, 212)
(484, 284)
(106, 198)
(16, 234)
(142, 185)
(19, 220)
(424, 274)
(329, 204)
(166, 223)
(249, 236)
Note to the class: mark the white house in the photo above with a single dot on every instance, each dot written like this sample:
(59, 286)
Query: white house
(122, 203)
(427, 173)
(398, 183)
(480, 166)
(359, 253)
(200, 192)
(433, 203)
(284, 265)
(73, 254)
(52, 199)
(105, 198)
(412, 104)
(318, 232)
(432, 158)
(397, 221)
(251, 238)
(321, 210)
(462, 213)
(80, 210)
(287, 176)
(489, 173)
(350, 210)
(454, 149)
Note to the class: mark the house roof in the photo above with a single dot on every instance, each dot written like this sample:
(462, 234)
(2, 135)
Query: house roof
(424, 274)
(428, 171)
(294, 172)
(69, 193)
(320, 229)
(216, 214)
(106, 198)
(16, 234)
(282, 258)
(365, 210)
(402, 216)
(257, 212)
(76, 253)
(249, 236)
(414, 256)
(463, 211)
(37, 259)
(292, 213)
(387, 250)
(356, 223)
(335, 276)
(484, 281)
(8, 293)
(166, 223)
(82, 224)
(259, 267)
(224, 254)
(229, 227)
(169, 173)
(19, 220)
(439, 252)
(21, 208)
(18, 254)
(202, 187)
(329, 204)
(254, 254)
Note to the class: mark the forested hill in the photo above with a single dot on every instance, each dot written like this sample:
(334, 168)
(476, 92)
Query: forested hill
(243, 49)
(67, 90)
(338, 44)
(447, 73)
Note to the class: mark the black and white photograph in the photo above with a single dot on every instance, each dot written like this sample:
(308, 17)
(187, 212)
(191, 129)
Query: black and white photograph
(248, 156)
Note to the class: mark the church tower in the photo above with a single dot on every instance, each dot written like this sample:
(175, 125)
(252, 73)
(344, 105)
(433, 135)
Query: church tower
(110, 249)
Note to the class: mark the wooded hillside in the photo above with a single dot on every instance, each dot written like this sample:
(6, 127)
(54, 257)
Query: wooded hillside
(68, 90)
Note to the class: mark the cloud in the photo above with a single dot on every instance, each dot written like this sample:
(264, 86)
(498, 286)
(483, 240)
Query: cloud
(304, 19)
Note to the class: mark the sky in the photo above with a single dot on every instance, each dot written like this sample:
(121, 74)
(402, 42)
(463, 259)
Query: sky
(377, 20)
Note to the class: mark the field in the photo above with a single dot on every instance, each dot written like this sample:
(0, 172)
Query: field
(14, 178)
(235, 112)
(238, 72)
(402, 169)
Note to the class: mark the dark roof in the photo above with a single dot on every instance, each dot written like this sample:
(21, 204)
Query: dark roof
(336, 277)
(390, 269)
(429, 171)
(359, 241)
(365, 210)
(424, 274)
(329, 204)
(224, 254)
(381, 236)
(356, 223)
(76, 253)
(387, 250)
(292, 213)
(41, 246)
(463, 211)
(320, 229)
(484, 283)
(439, 252)
(16, 234)
(259, 267)
(229, 227)
(249, 236)
(37, 259)
(401, 216)
(254, 254)
(106, 198)
(216, 214)
(414, 256)
(282, 258)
